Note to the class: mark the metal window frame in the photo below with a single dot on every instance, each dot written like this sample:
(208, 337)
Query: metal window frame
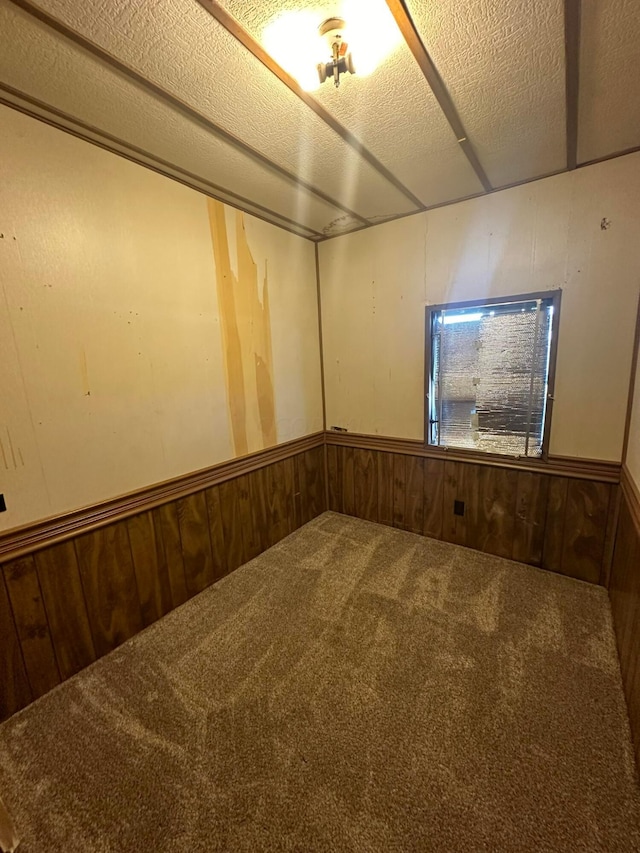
(555, 297)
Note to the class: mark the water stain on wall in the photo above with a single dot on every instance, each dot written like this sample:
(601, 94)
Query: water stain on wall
(246, 336)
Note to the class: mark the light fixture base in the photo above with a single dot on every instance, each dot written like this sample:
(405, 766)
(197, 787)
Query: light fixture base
(332, 30)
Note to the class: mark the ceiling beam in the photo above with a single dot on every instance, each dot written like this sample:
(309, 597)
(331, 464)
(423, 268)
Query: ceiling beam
(572, 14)
(254, 47)
(17, 100)
(178, 104)
(437, 86)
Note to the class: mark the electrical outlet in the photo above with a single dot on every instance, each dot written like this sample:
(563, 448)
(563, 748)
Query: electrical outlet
(3, 506)
(458, 507)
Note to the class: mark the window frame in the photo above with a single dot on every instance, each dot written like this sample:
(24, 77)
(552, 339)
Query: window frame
(430, 310)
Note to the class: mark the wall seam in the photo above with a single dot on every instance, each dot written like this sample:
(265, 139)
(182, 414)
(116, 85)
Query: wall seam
(322, 380)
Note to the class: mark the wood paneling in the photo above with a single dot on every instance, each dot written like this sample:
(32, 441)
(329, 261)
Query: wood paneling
(385, 487)
(109, 584)
(554, 523)
(347, 469)
(433, 498)
(169, 551)
(334, 472)
(197, 556)
(231, 524)
(559, 523)
(216, 532)
(491, 499)
(310, 467)
(585, 528)
(68, 604)
(531, 511)
(624, 591)
(31, 624)
(63, 599)
(152, 572)
(15, 692)
(414, 501)
(365, 484)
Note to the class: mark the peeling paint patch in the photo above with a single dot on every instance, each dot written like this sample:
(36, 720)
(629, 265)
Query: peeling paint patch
(246, 336)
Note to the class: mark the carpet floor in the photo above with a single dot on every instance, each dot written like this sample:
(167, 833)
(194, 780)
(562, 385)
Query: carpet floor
(354, 688)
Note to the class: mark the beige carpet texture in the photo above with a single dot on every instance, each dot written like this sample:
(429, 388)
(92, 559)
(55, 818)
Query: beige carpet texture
(354, 688)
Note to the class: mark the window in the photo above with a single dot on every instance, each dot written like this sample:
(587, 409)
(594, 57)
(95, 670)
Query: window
(489, 376)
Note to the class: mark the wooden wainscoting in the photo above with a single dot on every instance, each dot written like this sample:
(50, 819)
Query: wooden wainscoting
(624, 591)
(116, 569)
(559, 515)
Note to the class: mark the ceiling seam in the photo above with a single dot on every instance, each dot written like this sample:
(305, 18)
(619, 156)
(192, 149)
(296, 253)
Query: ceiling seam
(622, 153)
(438, 205)
(436, 84)
(572, 19)
(157, 165)
(102, 54)
(255, 48)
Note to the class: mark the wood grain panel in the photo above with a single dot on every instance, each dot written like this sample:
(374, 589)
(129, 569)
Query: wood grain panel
(348, 481)
(278, 514)
(289, 469)
(454, 527)
(555, 523)
(334, 472)
(31, 624)
(433, 498)
(109, 585)
(64, 604)
(585, 529)
(259, 494)
(313, 463)
(216, 531)
(366, 484)
(167, 528)
(531, 508)
(249, 533)
(15, 692)
(231, 524)
(624, 591)
(385, 488)
(193, 519)
(610, 535)
(414, 501)
(152, 573)
(490, 507)
(399, 489)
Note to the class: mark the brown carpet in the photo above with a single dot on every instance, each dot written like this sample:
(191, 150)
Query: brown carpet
(355, 688)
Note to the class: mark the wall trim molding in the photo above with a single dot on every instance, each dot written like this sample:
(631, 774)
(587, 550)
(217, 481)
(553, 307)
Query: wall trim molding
(631, 495)
(562, 466)
(51, 531)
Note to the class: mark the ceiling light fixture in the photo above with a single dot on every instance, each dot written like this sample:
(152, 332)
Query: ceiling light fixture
(332, 31)
(366, 29)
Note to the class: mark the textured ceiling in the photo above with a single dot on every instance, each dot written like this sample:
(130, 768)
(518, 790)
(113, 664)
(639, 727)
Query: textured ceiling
(167, 84)
(503, 63)
(609, 80)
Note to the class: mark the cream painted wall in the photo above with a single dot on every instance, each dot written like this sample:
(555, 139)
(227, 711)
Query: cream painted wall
(111, 362)
(540, 236)
(633, 448)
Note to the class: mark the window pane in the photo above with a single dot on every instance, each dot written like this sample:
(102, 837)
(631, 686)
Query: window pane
(489, 377)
